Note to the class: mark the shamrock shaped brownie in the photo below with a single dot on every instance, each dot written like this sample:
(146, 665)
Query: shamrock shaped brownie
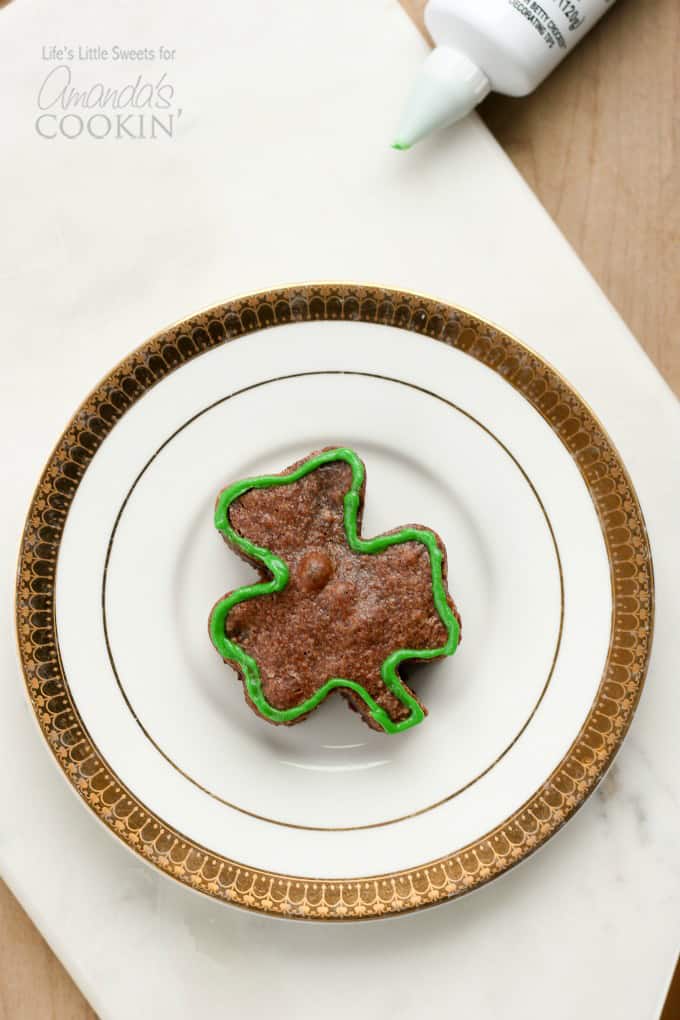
(332, 610)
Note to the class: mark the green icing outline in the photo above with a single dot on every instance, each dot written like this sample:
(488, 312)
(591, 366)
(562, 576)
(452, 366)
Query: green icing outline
(278, 569)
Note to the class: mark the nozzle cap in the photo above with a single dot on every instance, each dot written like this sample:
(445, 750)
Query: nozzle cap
(448, 88)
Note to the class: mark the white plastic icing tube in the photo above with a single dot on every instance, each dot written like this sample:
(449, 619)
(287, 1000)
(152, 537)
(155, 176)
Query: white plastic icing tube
(507, 46)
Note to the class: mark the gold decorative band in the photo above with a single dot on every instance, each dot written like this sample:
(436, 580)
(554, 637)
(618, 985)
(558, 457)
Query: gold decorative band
(562, 792)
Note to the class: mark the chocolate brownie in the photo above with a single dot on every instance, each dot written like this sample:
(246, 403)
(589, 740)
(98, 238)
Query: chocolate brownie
(333, 611)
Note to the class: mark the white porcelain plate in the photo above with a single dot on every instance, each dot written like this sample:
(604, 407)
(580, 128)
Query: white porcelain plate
(462, 430)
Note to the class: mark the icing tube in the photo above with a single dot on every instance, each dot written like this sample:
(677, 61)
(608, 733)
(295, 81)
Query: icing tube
(506, 46)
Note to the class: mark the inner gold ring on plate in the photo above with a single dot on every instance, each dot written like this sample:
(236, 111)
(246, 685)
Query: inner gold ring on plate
(559, 795)
(276, 821)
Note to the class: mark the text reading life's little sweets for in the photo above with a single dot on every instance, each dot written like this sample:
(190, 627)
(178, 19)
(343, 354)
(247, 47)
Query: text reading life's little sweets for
(102, 54)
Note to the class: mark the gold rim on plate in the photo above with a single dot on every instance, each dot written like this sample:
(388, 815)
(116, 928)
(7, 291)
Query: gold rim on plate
(543, 813)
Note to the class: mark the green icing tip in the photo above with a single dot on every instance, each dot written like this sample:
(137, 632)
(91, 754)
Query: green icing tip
(400, 146)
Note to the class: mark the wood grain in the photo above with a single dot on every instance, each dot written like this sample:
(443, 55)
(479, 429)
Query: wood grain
(33, 984)
(599, 143)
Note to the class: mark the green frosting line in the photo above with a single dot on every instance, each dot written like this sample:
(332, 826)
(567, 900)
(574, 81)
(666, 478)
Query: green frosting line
(280, 574)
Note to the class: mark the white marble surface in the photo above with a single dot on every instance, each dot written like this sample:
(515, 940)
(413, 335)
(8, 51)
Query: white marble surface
(281, 173)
